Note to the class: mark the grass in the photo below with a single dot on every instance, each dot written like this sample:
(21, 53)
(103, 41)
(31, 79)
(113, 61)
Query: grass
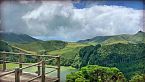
(41, 46)
(115, 42)
(69, 48)
(33, 46)
(69, 51)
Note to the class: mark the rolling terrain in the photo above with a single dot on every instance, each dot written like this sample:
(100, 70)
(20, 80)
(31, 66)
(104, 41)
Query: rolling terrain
(139, 37)
(41, 46)
(16, 38)
(125, 51)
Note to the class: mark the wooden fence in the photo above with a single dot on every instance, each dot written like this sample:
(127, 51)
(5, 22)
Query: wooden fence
(40, 66)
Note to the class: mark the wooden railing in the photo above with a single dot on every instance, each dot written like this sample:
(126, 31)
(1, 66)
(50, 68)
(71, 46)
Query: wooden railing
(40, 66)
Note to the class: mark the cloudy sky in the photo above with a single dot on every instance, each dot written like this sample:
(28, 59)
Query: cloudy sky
(72, 21)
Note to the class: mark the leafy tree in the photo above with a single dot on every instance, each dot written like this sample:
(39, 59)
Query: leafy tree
(138, 78)
(129, 58)
(95, 73)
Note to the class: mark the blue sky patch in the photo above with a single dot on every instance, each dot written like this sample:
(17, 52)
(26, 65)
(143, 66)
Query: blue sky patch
(130, 4)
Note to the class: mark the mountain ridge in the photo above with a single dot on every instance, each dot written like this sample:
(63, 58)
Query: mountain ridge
(129, 38)
(16, 38)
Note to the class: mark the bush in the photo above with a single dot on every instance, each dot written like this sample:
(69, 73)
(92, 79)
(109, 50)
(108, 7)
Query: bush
(95, 73)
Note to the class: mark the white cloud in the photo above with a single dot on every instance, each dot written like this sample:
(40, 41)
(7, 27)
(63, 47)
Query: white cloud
(62, 20)
(67, 22)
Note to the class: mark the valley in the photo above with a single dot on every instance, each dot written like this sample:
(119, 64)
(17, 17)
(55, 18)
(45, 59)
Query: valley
(125, 52)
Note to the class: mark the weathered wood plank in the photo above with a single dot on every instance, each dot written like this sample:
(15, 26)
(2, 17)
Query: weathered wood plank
(40, 64)
(17, 75)
(43, 72)
(58, 69)
(4, 63)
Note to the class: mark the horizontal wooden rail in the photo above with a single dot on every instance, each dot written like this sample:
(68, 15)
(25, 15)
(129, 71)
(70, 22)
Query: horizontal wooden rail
(40, 65)
(26, 54)
(31, 65)
(50, 56)
(4, 61)
(10, 53)
(50, 71)
(20, 63)
(17, 72)
(10, 72)
(20, 69)
(51, 67)
(17, 63)
(50, 59)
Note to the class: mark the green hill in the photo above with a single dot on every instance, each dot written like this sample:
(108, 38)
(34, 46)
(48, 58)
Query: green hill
(129, 58)
(41, 46)
(16, 38)
(68, 53)
(139, 37)
(30, 44)
(97, 39)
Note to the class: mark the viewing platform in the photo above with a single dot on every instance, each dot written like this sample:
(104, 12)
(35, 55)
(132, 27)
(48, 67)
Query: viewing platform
(25, 77)
(18, 75)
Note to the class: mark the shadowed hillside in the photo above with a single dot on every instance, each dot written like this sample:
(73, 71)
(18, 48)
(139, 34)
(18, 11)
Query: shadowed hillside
(16, 38)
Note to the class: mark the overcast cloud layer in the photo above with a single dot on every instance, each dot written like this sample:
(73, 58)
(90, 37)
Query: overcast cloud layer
(63, 21)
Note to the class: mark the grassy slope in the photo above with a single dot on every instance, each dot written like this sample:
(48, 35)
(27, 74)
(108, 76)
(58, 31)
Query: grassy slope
(69, 51)
(139, 37)
(33, 46)
(41, 46)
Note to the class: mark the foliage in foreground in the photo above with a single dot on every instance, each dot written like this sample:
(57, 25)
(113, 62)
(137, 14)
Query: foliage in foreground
(129, 58)
(95, 73)
(138, 78)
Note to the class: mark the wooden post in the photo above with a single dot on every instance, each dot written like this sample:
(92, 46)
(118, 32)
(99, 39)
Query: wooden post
(58, 69)
(43, 72)
(20, 63)
(38, 60)
(4, 62)
(17, 75)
